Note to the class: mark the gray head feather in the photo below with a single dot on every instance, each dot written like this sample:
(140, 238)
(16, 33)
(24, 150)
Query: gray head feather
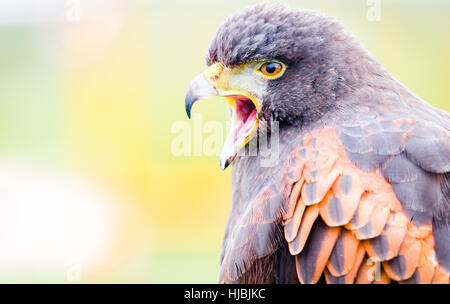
(325, 62)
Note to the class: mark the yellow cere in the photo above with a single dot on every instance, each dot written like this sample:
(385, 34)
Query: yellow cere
(212, 73)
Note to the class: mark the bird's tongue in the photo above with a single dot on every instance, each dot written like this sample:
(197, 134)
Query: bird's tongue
(244, 120)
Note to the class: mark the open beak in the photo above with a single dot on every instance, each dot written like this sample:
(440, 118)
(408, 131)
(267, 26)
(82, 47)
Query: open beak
(244, 107)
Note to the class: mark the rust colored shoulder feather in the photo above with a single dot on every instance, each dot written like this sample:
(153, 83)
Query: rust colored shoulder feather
(397, 241)
(345, 218)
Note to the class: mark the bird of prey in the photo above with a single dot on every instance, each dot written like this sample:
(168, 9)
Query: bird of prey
(360, 190)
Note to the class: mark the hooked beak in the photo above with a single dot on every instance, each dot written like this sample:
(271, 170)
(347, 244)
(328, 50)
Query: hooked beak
(244, 106)
(198, 89)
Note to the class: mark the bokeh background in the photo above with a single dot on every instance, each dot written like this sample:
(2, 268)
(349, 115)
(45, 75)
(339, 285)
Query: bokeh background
(90, 190)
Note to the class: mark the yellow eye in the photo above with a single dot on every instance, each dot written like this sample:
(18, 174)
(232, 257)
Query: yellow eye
(271, 69)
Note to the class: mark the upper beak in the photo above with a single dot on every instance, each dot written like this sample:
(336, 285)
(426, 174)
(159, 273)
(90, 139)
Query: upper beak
(202, 86)
(199, 88)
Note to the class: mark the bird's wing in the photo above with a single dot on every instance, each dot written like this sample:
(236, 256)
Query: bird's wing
(369, 202)
(362, 202)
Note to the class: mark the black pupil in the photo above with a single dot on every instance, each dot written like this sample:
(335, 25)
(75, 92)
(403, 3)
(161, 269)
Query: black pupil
(271, 68)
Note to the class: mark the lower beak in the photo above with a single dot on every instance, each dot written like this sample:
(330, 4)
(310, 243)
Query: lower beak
(244, 117)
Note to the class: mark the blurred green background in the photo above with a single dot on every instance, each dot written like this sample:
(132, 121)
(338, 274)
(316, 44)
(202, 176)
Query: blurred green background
(89, 92)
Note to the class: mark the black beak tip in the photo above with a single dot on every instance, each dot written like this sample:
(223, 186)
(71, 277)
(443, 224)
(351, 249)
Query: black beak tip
(188, 112)
(224, 164)
(189, 101)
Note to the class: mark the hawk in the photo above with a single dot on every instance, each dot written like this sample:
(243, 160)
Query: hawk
(360, 190)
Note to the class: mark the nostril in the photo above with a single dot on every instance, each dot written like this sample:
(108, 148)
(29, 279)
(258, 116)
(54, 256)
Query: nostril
(214, 78)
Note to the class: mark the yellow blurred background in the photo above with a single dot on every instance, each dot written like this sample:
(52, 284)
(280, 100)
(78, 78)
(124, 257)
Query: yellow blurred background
(89, 92)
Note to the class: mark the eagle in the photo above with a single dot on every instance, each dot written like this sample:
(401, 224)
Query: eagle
(360, 189)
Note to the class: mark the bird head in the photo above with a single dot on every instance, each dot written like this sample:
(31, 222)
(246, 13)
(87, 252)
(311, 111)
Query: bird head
(274, 63)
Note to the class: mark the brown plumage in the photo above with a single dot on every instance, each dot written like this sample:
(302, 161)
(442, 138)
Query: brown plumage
(360, 192)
